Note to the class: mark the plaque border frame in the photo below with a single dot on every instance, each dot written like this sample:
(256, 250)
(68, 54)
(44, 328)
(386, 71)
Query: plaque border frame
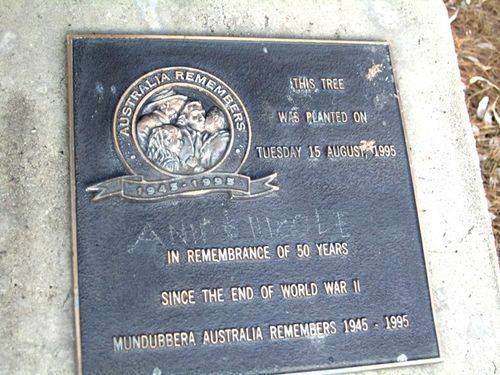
(70, 37)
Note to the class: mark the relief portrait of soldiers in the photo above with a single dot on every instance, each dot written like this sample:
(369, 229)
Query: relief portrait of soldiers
(177, 135)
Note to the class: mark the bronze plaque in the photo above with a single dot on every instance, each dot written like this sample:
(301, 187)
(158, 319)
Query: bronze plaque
(242, 205)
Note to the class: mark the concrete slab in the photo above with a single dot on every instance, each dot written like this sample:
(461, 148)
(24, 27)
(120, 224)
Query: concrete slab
(36, 324)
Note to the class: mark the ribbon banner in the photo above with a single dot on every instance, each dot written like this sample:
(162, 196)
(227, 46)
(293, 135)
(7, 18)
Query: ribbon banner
(137, 188)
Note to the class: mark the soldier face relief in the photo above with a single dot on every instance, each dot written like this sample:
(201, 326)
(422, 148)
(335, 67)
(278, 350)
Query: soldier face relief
(177, 135)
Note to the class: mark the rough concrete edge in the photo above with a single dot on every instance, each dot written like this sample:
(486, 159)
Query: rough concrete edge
(471, 143)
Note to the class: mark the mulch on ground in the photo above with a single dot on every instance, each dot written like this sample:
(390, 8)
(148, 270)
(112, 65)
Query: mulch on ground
(476, 31)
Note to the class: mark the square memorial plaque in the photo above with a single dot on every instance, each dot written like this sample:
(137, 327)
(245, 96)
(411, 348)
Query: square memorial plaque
(242, 206)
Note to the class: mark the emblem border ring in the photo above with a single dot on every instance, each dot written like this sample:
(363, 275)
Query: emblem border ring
(132, 155)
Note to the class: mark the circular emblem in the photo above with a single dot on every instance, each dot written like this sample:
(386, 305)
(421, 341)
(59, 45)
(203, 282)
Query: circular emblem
(181, 132)
(181, 121)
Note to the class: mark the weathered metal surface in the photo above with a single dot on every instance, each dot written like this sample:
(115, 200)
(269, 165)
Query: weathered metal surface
(243, 206)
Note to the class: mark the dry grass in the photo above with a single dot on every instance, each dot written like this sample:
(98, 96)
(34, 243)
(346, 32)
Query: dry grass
(476, 30)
